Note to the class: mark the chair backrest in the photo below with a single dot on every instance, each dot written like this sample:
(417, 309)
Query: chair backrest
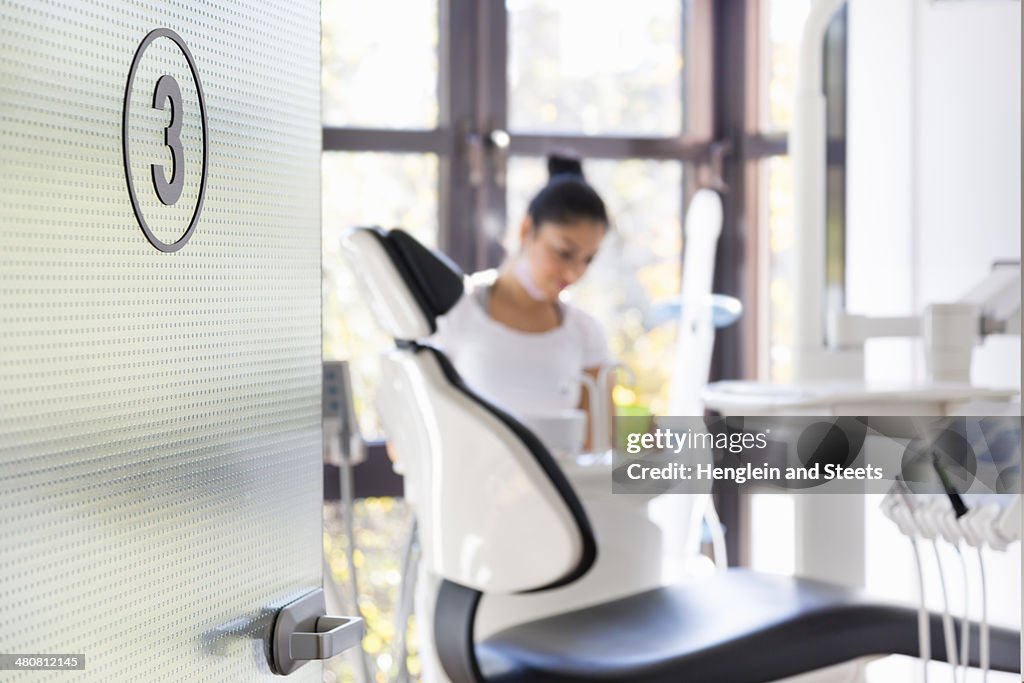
(495, 512)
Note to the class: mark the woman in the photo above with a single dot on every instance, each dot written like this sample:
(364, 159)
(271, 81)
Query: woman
(514, 340)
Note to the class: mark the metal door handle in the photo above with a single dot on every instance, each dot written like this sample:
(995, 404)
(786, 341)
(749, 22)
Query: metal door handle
(333, 636)
(302, 632)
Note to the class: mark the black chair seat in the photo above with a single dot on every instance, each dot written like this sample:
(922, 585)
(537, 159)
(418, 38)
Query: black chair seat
(736, 626)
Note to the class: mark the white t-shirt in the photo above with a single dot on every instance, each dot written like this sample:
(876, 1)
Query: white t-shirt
(525, 373)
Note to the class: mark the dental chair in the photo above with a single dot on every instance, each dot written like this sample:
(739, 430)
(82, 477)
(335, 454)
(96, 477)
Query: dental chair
(496, 515)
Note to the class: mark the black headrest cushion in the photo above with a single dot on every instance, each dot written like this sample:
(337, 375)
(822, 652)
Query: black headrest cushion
(433, 279)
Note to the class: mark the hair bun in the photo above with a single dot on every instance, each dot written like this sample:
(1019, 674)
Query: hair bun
(564, 165)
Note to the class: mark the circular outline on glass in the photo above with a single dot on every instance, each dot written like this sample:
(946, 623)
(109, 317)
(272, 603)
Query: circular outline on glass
(153, 239)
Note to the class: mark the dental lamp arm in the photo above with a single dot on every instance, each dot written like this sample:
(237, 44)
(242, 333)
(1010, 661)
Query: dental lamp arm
(994, 303)
(998, 299)
(850, 331)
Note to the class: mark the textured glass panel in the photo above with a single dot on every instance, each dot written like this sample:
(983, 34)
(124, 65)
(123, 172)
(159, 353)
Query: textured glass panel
(596, 67)
(379, 63)
(366, 189)
(160, 440)
(638, 265)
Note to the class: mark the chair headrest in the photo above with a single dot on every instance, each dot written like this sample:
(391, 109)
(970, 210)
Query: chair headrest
(406, 285)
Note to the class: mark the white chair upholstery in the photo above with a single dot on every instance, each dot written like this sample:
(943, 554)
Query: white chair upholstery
(485, 490)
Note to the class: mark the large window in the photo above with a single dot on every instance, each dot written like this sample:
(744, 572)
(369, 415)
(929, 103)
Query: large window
(437, 119)
(452, 149)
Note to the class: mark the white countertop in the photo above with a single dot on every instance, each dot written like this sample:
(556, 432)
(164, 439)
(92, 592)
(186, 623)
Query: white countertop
(737, 397)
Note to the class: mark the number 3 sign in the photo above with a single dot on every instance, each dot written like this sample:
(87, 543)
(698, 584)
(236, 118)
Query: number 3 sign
(168, 184)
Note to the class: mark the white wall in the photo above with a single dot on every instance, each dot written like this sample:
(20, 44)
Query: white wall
(968, 157)
(934, 198)
(880, 238)
(934, 165)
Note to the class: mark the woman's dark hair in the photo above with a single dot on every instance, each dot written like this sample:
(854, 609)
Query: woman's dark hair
(567, 197)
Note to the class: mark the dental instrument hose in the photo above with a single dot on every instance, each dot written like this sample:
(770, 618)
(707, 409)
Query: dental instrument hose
(913, 533)
(965, 622)
(984, 642)
(924, 641)
(948, 629)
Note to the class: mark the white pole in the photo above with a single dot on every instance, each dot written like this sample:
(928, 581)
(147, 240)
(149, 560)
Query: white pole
(807, 145)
